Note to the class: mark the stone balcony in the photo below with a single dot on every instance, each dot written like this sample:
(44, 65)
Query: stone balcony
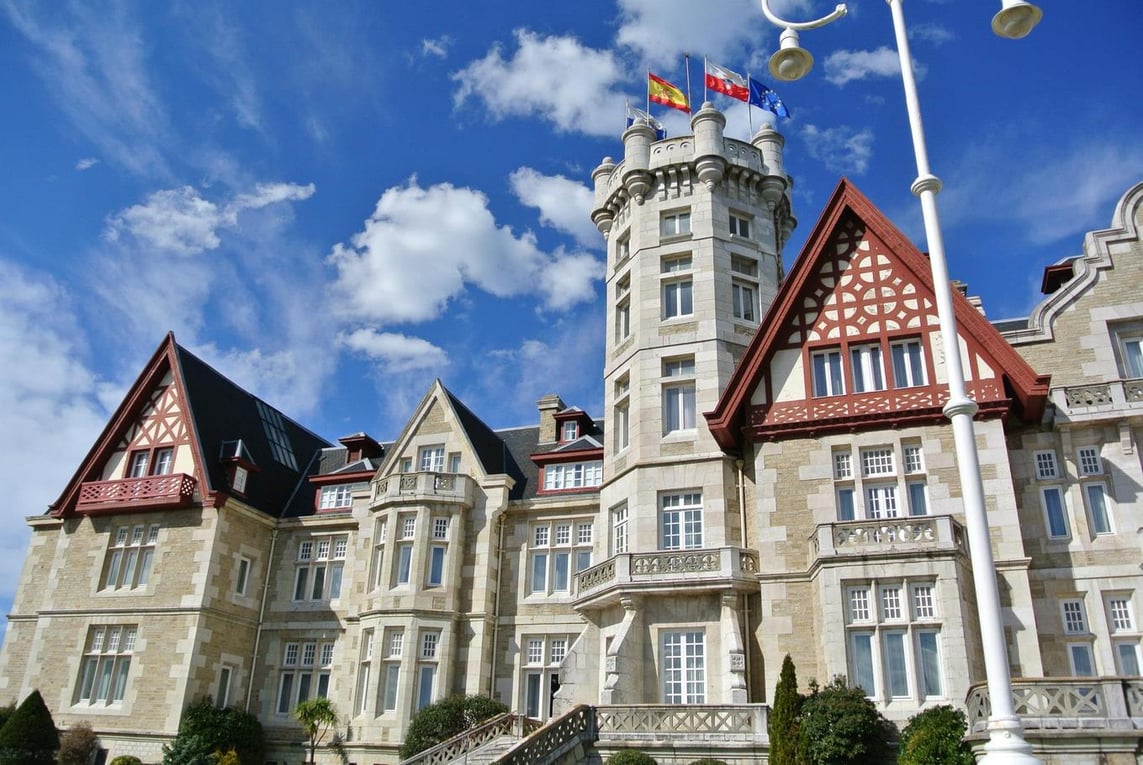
(415, 488)
(666, 571)
(1099, 401)
(888, 537)
(150, 492)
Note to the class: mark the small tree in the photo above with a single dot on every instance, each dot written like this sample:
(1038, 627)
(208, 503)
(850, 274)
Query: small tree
(630, 757)
(30, 734)
(78, 744)
(446, 718)
(206, 729)
(317, 716)
(784, 716)
(839, 725)
(126, 759)
(935, 737)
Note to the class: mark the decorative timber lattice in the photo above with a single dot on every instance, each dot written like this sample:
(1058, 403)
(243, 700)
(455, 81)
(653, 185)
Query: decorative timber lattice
(160, 423)
(172, 490)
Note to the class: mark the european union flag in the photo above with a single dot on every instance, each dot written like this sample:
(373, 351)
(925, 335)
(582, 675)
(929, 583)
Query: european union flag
(765, 98)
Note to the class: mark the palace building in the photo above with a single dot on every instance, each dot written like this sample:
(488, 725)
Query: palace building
(772, 474)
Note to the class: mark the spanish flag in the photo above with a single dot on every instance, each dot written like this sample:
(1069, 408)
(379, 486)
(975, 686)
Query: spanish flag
(660, 91)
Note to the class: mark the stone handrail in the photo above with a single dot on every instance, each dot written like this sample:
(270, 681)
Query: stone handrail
(549, 742)
(904, 534)
(1080, 400)
(1065, 703)
(717, 563)
(507, 724)
(437, 486)
(741, 722)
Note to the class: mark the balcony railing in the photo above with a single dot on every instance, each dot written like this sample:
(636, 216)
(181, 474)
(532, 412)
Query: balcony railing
(1096, 401)
(458, 747)
(171, 490)
(889, 536)
(1066, 703)
(404, 487)
(666, 568)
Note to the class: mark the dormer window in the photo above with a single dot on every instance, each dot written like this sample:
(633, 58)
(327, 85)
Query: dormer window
(240, 475)
(333, 497)
(570, 431)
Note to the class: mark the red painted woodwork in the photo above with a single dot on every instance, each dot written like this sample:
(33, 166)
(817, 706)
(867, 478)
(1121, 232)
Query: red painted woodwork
(172, 490)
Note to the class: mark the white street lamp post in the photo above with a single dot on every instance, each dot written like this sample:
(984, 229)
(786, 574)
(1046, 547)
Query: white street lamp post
(1006, 745)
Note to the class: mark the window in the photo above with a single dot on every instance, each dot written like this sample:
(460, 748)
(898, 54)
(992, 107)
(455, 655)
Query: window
(380, 537)
(432, 459)
(406, 464)
(437, 551)
(387, 693)
(1075, 618)
(678, 395)
(622, 248)
(675, 224)
(1080, 658)
(745, 300)
(106, 664)
(160, 461)
(305, 674)
(364, 665)
(739, 226)
(881, 501)
(570, 431)
(684, 667)
(1088, 459)
(1120, 616)
(894, 651)
(1127, 658)
(427, 669)
(623, 308)
(454, 462)
(868, 372)
(827, 373)
(877, 462)
(1095, 496)
(335, 496)
(130, 557)
(555, 555)
(619, 529)
(222, 693)
(573, 475)
(242, 580)
(1046, 467)
(164, 460)
(241, 474)
(320, 565)
(880, 490)
(1132, 348)
(908, 364)
(540, 672)
(678, 297)
(1052, 500)
(681, 521)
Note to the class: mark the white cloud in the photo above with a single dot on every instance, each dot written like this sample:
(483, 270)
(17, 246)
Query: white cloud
(845, 65)
(438, 47)
(661, 31)
(397, 353)
(563, 203)
(422, 246)
(569, 279)
(272, 193)
(86, 163)
(51, 405)
(841, 149)
(937, 34)
(538, 81)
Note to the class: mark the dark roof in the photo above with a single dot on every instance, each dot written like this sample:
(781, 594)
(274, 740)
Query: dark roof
(224, 412)
(519, 445)
(1010, 325)
(493, 452)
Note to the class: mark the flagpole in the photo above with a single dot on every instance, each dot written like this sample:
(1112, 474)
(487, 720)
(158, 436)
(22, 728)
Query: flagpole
(648, 91)
(749, 108)
(687, 64)
(705, 88)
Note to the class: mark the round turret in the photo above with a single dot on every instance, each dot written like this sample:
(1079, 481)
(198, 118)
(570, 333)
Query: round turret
(710, 162)
(637, 141)
(601, 214)
(770, 143)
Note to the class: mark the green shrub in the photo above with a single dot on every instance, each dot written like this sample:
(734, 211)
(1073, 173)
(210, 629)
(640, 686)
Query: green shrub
(839, 725)
(707, 761)
(77, 744)
(446, 718)
(630, 757)
(784, 716)
(206, 729)
(935, 737)
(6, 712)
(126, 759)
(30, 735)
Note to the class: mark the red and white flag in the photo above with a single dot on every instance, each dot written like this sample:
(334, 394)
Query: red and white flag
(726, 82)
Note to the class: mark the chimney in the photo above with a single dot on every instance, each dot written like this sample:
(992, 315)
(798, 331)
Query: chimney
(548, 406)
(359, 446)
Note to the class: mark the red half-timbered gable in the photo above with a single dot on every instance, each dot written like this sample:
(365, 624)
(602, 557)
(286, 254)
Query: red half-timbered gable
(852, 341)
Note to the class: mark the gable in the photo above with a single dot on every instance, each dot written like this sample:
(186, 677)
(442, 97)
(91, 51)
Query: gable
(852, 341)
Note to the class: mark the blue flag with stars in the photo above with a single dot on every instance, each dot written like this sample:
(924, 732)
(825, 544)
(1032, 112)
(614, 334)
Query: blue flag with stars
(765, 98)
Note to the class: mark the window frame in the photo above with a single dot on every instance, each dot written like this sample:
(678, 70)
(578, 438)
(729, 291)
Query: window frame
(827, 378)
(681, 520)
(674, 224)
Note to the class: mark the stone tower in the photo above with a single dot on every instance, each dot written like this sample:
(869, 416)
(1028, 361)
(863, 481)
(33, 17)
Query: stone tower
(695, 226)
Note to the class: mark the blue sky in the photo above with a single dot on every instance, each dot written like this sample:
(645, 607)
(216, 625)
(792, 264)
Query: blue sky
(335, 203)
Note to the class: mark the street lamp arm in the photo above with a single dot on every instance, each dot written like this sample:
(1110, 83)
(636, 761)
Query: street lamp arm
(837, 13)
